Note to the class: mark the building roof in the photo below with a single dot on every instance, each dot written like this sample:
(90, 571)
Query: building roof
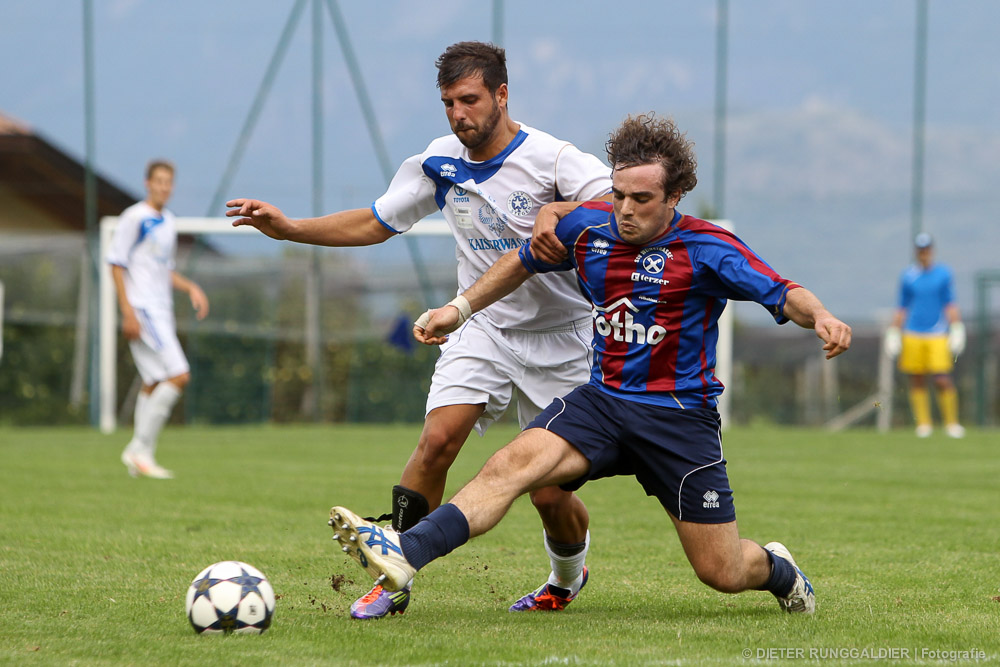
(50, 179)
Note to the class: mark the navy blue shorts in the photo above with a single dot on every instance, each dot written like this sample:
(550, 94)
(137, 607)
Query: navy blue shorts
(675, 454)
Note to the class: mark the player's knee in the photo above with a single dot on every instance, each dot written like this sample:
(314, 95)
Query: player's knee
(180, 381)
(438, 447)
(552, 500)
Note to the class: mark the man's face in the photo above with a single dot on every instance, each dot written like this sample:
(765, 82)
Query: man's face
(642, 211)
(925, 255)
(160, 185)
(473, 112)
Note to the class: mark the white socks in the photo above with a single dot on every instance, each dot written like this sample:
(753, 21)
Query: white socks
(567, 571)
(151, 413)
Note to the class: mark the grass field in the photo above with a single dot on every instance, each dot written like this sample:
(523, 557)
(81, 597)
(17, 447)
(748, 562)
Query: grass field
(900, 537)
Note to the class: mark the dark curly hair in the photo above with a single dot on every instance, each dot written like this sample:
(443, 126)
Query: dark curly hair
(470, 59)
(648, 139)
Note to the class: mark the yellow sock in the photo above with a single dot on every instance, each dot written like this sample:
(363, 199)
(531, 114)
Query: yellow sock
(948, 403)
(920, 403)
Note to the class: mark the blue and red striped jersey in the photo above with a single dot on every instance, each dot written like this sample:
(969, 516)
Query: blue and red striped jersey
(656, 307)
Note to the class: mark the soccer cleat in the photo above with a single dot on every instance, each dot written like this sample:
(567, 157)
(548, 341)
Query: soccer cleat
(375, 549)
(139, 465)
(130, 465)
(379, 602)
(955, 430)
(800, 599)
(549, 597)
(924, 430)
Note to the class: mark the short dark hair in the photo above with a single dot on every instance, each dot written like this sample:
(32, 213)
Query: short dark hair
(471, 59)
(158, 164)
(647, 139)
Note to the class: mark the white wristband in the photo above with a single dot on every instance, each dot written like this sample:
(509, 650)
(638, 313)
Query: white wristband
(464, 309)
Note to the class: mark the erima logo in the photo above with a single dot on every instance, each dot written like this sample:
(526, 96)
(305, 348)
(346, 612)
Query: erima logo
(600, 247)
(622, 327)
(711, 500)
(448, 171)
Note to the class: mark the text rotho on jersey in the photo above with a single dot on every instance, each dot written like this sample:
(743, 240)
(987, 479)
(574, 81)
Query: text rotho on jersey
(617, 321)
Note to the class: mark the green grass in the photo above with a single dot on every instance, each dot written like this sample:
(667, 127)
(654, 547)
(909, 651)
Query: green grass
(900, 537)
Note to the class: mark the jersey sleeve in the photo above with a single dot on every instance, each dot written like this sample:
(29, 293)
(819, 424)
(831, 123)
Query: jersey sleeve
(580, 176)
(730, 269)
(568, 230)
(123, 239)
(409, 198)
(948, 295)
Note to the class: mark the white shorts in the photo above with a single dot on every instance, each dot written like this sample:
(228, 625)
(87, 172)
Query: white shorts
(481, 363)
(157, 352)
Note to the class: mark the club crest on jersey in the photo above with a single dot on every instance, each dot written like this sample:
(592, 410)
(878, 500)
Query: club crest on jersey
(652, 261)
(448, 170)
(600, 246)
(519, 203)
(492, 219)
(618, 322)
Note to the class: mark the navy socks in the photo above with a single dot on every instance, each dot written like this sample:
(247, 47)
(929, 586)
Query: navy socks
(782, 576)
(439, 533)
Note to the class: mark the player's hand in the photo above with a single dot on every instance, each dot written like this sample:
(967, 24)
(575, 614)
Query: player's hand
(199, 302)
(545, 245)
(130, 326)
(836, 335)
(266, 218)
(893, 342)
(433, 327)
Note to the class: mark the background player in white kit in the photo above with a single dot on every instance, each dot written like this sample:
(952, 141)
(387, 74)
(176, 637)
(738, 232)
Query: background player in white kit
(142, 263)
(488, 178)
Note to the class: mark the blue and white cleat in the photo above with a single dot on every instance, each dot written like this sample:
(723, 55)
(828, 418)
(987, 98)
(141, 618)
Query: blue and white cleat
(549, 597)
(801, 599)
(376, 549)
(378, 603)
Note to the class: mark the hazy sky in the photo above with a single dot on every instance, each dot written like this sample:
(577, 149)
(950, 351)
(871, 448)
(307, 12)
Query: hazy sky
(820, 96)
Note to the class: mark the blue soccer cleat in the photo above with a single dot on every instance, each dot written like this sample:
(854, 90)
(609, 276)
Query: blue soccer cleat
(549, 597)
(379, 602)
(801, 599)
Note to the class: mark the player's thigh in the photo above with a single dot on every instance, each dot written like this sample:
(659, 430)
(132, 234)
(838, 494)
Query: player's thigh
(939, 358)
(157, 352)
(475, 367)
(538, 458)
(556, 364)
(914, 358)
(678, 459)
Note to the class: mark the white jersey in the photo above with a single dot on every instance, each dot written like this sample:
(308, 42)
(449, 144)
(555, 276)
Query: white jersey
(144, 243)
(491, 208)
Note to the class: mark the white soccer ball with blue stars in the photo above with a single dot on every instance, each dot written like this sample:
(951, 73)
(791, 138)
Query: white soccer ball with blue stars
(230, 597)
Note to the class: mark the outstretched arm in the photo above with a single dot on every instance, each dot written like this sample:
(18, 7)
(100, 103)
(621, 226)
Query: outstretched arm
(354, 227)
(505, 276)
(803, 308)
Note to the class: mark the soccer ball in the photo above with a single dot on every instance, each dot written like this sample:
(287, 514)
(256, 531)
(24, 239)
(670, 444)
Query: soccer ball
(230, 597)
